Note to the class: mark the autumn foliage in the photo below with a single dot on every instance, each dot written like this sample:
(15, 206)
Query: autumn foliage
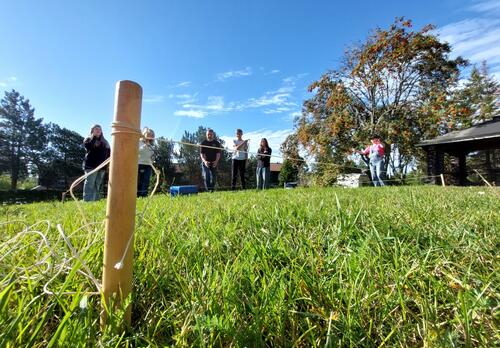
(398, 84)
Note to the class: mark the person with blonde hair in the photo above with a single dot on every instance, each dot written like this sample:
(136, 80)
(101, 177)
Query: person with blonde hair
(97, 150)
(146, 153)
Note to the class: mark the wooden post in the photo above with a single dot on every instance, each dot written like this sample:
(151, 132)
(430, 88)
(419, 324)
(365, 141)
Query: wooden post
(122, 193)
(486, 181)
(439, 162)
(462, 168)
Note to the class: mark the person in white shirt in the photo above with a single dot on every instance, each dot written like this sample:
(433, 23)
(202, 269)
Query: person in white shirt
(146, 152)
(239, 160)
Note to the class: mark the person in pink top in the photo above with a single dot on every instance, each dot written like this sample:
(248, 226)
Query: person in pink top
(375, 153)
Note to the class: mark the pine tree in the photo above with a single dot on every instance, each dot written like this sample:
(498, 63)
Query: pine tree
(23, 138)
(480, 95)
(63, 159)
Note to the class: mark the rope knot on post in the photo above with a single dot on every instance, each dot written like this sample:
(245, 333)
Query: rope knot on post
(121, 127)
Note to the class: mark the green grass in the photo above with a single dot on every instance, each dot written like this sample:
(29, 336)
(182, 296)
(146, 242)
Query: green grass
(398, 266)
(26, 184)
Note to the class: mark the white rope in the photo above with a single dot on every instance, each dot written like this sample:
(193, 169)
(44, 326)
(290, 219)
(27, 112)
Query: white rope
(126, 128)
(271, 156)
(119, 264)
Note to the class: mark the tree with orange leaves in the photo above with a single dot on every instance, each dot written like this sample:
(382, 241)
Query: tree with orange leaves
(397, 84)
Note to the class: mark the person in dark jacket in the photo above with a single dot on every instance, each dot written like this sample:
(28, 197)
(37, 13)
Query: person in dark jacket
(263, 164)
(97, 151)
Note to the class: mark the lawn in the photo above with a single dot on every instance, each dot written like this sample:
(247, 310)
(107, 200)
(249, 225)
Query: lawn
(394, 266)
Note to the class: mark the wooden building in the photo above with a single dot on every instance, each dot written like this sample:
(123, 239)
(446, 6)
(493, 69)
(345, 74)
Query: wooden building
(483, 137)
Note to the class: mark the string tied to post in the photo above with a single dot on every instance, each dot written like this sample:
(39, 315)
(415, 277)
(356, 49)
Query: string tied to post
(118, 127)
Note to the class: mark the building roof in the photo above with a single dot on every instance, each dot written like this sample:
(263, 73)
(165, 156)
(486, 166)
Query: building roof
(486, 130)
(276, 167)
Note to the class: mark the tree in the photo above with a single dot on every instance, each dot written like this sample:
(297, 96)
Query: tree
(382, 86)
(288, 172)
(62, 162)
(23, 138)
(480, 95)
(251, 170)
(294, 165)
(164, 152)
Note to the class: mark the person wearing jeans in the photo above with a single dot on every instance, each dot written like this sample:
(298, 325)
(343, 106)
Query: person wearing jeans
(263, 165)
(210, 152)
(209, 175)
(146, 153)
(97, 151)
(375, 152)
(376, 171)
(239, 160)
(92, 185)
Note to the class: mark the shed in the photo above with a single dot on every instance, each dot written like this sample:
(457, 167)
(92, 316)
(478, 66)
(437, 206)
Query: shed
(484, 136)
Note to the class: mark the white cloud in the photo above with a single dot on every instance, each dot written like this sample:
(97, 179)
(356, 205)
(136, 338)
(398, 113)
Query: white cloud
(179, 85)
(214, 104)
(8, 81)
(191, 113)
(277, 110)
(184, 99)
(291, 80)
(491, 55)
(234, 73)
(488, 6)
(275, 101)
(183, 96)
(274, 138)
(272, 72)
(280, 99)
(476, 38)
(152, 99)
(270, 98)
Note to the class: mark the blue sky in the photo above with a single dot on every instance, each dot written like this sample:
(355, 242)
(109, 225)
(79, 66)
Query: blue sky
(220, 64)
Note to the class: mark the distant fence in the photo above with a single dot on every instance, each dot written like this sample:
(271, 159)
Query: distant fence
(29, 196)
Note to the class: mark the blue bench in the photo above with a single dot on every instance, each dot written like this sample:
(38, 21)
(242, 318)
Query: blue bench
(183, 190)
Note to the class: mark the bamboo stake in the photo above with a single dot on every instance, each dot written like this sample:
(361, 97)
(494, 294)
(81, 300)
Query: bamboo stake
(486, 181)
(442, 180)
(122, 192)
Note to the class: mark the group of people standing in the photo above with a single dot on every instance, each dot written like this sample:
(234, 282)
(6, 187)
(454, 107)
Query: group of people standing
(210, 152)
(97, 150)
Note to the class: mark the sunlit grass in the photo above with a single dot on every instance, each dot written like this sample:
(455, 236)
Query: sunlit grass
(363, 267)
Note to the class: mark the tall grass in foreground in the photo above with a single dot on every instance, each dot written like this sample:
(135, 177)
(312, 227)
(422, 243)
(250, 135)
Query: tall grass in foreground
(398, 266)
